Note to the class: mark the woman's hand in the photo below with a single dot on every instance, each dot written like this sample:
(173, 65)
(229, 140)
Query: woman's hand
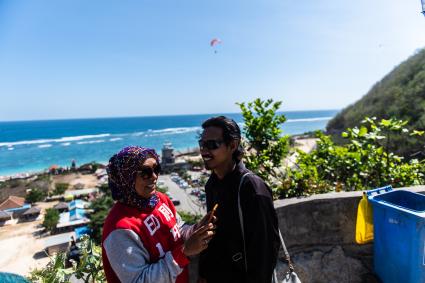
(208, 218)
(199, 239)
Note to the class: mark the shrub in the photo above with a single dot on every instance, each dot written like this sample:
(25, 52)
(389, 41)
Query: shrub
(51, 219)
(89, 269)
(34, 195)
(364, 162)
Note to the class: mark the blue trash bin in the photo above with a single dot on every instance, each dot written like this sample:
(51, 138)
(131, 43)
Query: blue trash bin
(6, 277)
(399, 235)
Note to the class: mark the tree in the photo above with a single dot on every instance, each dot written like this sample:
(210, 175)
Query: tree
(101, 208)
(51, 219)
(34, 195)
(266, 146)
(60, 188)
(189, 218)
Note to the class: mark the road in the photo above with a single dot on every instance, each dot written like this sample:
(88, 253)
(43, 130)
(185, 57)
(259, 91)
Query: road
(188, 203)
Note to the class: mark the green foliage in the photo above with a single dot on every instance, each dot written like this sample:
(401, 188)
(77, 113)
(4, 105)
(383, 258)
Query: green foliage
(202, 181)
(183, 174)
(162, 189)
(399, 94)
(14, 183)
(54, 272)
(364, 162)
(196, 163)
(266, 147)
(100, 208)
(60, 188)
(43, 177)
(51, 219)
(89, 269)
(190, 218)
(104, 188)
(34, 195)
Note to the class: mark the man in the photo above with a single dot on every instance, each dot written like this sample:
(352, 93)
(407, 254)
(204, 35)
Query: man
(225, 260)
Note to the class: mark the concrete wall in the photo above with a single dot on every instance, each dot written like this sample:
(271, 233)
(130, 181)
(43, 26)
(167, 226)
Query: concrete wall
(319, 232)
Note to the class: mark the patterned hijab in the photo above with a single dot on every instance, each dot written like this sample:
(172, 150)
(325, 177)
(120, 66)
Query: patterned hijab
(122, 171)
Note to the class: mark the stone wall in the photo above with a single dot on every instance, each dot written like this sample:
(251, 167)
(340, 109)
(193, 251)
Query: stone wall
(319, 232)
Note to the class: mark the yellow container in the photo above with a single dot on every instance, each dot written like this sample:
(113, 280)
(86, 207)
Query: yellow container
(364, 224)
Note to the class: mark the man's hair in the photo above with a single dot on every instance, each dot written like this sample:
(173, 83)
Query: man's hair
(231, 132)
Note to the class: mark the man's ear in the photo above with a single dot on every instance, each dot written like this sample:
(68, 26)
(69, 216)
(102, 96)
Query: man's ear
(234, 145)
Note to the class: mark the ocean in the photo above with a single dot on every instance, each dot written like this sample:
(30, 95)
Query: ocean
(33, 146)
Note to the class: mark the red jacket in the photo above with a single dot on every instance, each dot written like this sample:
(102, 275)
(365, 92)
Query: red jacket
(160, 233)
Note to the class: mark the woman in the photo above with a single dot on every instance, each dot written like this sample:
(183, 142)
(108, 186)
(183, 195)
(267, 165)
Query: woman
(144, 239)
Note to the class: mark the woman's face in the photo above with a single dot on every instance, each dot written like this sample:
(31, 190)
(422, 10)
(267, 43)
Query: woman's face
(146, 178)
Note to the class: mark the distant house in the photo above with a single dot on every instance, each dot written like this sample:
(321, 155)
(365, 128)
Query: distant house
(31, 214)
(74, 194)
(4, 217)
(72, 219)
(61, 207)
(58, 243)
(169, 163)
(12, 202)
(15, 205)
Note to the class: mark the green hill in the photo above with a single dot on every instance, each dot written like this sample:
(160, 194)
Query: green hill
(401, 95)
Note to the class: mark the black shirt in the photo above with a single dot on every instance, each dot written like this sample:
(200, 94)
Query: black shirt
(223, 260)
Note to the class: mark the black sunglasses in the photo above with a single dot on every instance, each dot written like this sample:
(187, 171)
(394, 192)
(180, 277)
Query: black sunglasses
(210, 144)
(147, 172)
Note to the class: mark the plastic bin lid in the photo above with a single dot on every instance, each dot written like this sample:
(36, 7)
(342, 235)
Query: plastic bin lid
(410, 202)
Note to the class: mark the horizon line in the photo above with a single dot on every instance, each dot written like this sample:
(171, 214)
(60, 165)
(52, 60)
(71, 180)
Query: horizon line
(148, 116)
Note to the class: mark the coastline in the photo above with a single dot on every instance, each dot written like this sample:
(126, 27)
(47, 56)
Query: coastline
(302, 142)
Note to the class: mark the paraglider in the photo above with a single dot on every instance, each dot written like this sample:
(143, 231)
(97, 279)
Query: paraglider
(423, 7)
(215, 41)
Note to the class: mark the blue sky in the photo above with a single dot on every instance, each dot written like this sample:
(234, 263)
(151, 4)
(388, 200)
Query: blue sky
(79, 58)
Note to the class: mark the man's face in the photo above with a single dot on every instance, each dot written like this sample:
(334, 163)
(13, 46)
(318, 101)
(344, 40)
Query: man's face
(214, 151)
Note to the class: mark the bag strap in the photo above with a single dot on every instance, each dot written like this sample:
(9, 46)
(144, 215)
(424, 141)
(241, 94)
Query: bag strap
(287, 257)
(241, 218)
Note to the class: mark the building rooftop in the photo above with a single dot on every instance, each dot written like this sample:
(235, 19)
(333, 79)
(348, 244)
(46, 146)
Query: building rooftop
(4, 216)
(12, 202)
(32, 210)
(58, 239)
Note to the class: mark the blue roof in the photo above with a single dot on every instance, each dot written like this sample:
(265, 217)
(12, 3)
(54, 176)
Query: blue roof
(24, 207)
(80, 231)
(77, 213)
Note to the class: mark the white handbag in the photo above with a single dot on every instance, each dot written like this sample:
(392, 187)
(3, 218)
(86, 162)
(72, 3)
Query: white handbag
(290, 275)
